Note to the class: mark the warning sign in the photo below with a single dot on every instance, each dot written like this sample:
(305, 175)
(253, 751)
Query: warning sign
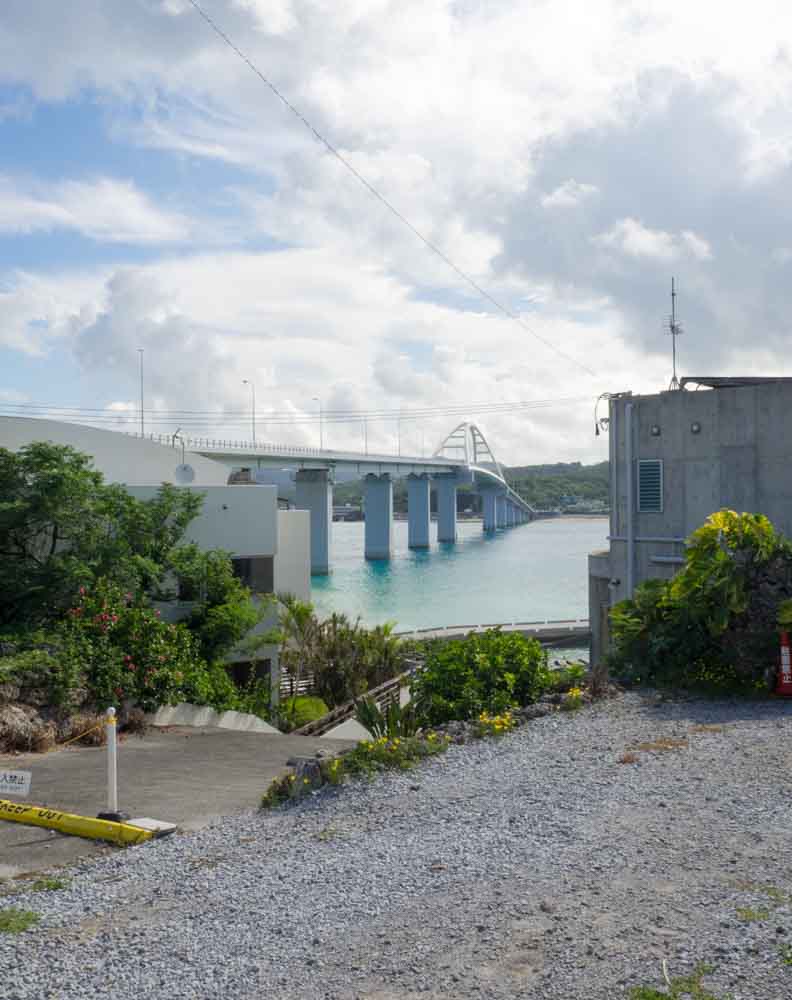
(15, 783)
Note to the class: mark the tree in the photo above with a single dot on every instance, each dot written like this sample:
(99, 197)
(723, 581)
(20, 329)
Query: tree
(63, 527)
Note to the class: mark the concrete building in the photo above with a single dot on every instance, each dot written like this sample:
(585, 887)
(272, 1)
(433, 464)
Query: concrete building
(675, 458)
(270, 548)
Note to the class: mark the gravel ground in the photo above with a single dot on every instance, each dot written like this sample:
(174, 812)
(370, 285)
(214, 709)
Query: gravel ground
(534, 866)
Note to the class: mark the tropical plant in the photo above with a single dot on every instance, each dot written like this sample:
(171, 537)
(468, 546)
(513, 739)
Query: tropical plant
(396, 720)
(714, 625)
(485, 672)
(343, 658)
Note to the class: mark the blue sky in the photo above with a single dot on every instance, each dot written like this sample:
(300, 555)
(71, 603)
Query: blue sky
(154, 193)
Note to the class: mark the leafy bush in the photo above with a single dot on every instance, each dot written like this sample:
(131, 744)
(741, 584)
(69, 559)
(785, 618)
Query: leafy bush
(302, 709)
(485, 672)
(62, 527)
(224, 611)
(566, 677)
(108, 650)
(714, 625)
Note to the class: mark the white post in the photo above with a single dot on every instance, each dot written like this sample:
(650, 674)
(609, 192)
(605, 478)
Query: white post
(112, 761)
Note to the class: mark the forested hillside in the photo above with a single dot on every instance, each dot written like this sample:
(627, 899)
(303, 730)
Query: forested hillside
(547, 487)
(551, 486)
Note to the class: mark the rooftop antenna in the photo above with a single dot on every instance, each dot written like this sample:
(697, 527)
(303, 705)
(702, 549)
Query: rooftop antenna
(675, 329)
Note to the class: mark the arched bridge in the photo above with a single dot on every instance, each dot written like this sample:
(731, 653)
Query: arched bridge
(306, 476)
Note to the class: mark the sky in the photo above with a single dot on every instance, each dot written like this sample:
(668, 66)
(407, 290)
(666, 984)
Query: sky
(568, 157)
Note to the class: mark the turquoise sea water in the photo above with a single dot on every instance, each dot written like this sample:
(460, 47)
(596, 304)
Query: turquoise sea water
(535, 571)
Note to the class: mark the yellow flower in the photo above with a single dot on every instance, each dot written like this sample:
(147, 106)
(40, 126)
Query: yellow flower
(306, 781)
(291, 777)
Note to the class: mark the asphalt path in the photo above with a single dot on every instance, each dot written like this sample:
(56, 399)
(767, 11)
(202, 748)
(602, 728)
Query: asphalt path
(182, 775)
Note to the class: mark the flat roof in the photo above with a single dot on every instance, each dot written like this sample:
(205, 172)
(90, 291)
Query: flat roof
(731, 381)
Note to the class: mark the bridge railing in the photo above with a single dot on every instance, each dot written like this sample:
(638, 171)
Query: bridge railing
(226, 444)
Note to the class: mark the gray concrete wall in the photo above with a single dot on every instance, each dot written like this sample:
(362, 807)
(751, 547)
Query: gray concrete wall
(741, 457)
(599, 602)
(293, 559)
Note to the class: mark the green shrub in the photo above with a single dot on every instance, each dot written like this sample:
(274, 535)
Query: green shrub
(302, 709)
(714, 625)
(572, 675)
(485, 672)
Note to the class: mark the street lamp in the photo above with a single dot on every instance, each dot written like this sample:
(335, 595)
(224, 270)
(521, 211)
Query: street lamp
(316, 399)
(253, 391)
(142, 423)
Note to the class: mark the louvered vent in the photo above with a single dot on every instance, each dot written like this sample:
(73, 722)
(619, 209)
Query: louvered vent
(650, 486)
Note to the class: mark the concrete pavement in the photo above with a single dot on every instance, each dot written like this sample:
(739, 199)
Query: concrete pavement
(183, 775)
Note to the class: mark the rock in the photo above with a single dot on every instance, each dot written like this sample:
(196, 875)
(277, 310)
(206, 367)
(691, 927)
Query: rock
(534, 711)
(23, 729)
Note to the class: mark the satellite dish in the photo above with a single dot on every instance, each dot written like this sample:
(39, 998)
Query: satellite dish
(184, 474)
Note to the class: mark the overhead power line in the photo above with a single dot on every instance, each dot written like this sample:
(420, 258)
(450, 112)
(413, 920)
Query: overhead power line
(228, 419)
(334, 151)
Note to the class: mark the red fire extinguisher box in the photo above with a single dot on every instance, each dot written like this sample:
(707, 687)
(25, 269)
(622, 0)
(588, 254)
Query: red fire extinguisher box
(784, 683)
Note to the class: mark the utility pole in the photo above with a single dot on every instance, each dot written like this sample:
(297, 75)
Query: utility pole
(316, 399)
(253, 392)
(142, 423)
(675, 329)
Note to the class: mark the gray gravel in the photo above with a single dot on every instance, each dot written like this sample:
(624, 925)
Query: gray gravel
(535, 866)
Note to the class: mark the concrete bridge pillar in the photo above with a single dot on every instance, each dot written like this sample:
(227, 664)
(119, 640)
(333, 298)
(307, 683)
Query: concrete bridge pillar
(446, 508)
(500, 509)
(490, 502)
(418, 512)
(379, 516)
(314, 492)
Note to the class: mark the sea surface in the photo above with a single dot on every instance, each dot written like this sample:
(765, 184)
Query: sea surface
(532, 572)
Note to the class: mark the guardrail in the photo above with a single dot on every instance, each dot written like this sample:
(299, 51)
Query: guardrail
(384, 695)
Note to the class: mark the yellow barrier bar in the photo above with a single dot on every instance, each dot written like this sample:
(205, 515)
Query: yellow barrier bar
(75, 826)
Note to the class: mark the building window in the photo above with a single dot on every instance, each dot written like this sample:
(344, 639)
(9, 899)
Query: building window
(256, 572)
(650, 486)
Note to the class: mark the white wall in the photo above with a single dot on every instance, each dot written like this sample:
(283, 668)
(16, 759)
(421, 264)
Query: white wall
(240, 519)
(293, 559)
(120, 459)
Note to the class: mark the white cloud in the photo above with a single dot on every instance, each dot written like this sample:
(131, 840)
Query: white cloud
(569, 194)
(566, 171)
(104, 209)
(633, 238)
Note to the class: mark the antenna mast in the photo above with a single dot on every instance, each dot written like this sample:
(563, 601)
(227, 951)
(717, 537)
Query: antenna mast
(675, 329)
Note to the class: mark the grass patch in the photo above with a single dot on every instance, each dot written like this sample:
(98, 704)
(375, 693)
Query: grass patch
(629, 758)
(751, 915)
(707, 728)
(14, 921)
(48, 884)
(785, 953)
(678, 988)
